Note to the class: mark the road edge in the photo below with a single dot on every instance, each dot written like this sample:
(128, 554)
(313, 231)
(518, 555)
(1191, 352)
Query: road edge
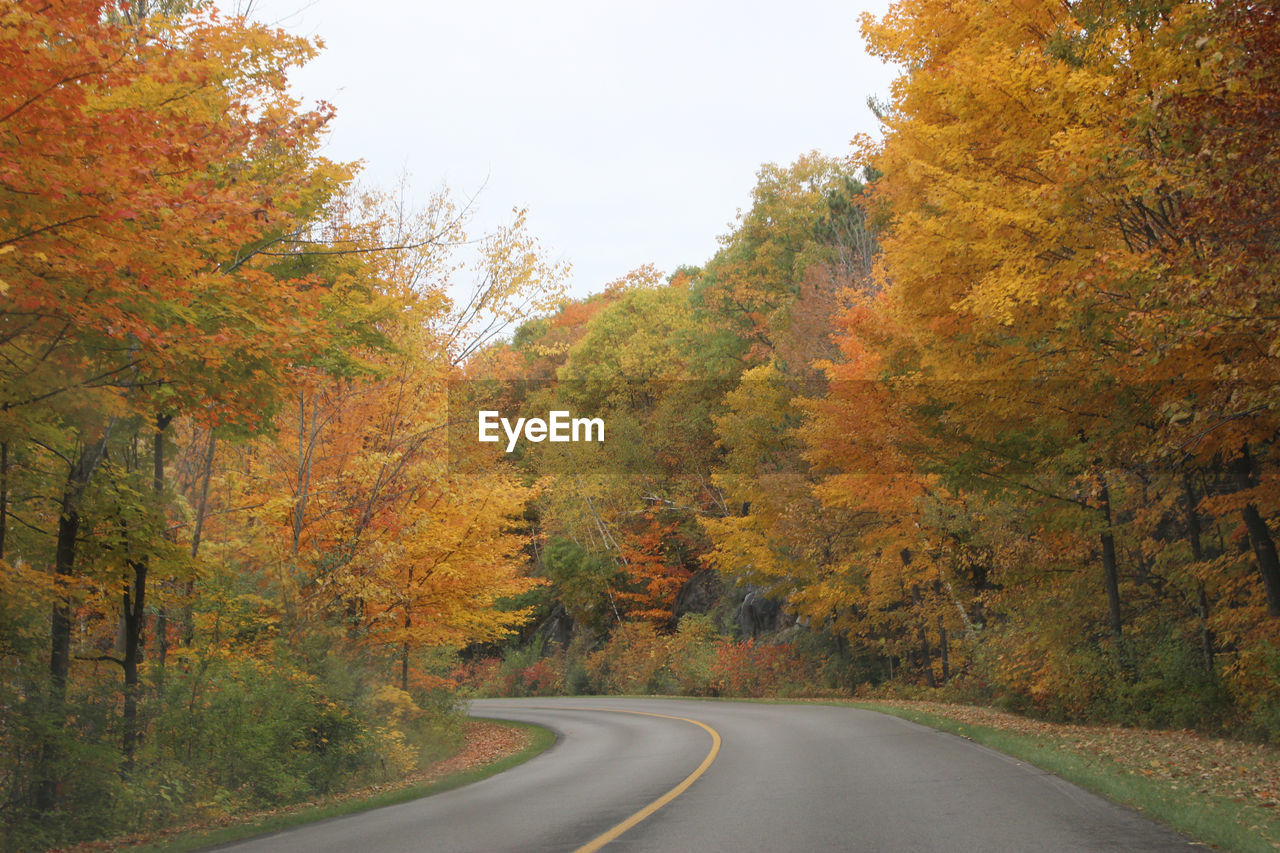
(540, 740)
(1209, 821)
(1202, 820)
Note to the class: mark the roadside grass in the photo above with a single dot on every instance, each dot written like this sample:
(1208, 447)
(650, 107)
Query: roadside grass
(539, 740)
(1224, 794)
(1223, 821)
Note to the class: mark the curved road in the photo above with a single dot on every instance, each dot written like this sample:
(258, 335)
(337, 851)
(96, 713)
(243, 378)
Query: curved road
(756, 777)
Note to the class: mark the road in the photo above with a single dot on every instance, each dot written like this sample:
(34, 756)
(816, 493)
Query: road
(755, 777)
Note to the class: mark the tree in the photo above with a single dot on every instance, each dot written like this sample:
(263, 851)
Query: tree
(1053, 356)
(141, 159)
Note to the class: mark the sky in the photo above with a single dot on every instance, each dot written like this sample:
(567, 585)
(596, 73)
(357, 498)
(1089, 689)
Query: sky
(631, 131)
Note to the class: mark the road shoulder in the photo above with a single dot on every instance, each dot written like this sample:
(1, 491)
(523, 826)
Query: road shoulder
(491, 746)
(1225, 793)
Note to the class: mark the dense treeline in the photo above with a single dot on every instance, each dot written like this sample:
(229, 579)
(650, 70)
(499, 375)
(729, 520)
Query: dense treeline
(991, 404)
(987, 406)
(230, 547)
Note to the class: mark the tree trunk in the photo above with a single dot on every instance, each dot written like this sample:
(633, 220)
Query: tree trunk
(926, 654)
(1197, 554)
(187, 620)
(404, 653)
(404, 666)
(202, 505)
(946, 655)
(306, 448)
(64, 563)
(1264, 547)
(1110, 569)
(135, 614)
(4, 494)
(162, 646)
(59, 656)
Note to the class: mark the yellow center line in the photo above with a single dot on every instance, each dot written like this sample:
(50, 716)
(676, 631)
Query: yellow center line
(604, 838)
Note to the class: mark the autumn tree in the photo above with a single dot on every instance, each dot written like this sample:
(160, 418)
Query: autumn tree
(369, 512)
(746, 293)
(635, 504)
(168, 152)
(1045, 333)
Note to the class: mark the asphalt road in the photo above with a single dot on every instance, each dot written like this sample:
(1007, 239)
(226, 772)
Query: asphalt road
(756, 777)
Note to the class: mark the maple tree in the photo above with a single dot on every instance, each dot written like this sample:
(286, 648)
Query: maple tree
(410, 536)
(164, 150)
(1051, 354)
(180, 272)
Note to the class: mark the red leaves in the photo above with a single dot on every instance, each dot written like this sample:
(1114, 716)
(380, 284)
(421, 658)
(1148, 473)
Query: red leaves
(653, 575)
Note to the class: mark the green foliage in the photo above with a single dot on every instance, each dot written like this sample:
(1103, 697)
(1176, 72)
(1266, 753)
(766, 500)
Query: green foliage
(693, 656)
(581, 579)
(236, 728)
(87, 769)
(540, 740)
(523, 672)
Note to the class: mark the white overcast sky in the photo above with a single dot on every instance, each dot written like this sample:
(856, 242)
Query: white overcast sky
(632, 131)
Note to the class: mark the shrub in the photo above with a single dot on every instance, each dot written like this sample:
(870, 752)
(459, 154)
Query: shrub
(634, 660)
(692, 652)
(747, 669)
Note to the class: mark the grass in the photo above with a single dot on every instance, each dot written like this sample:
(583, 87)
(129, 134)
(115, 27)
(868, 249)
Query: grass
(1221, 821)
(539, 740)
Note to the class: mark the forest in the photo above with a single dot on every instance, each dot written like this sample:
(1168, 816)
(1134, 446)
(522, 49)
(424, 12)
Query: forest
(983, 409)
